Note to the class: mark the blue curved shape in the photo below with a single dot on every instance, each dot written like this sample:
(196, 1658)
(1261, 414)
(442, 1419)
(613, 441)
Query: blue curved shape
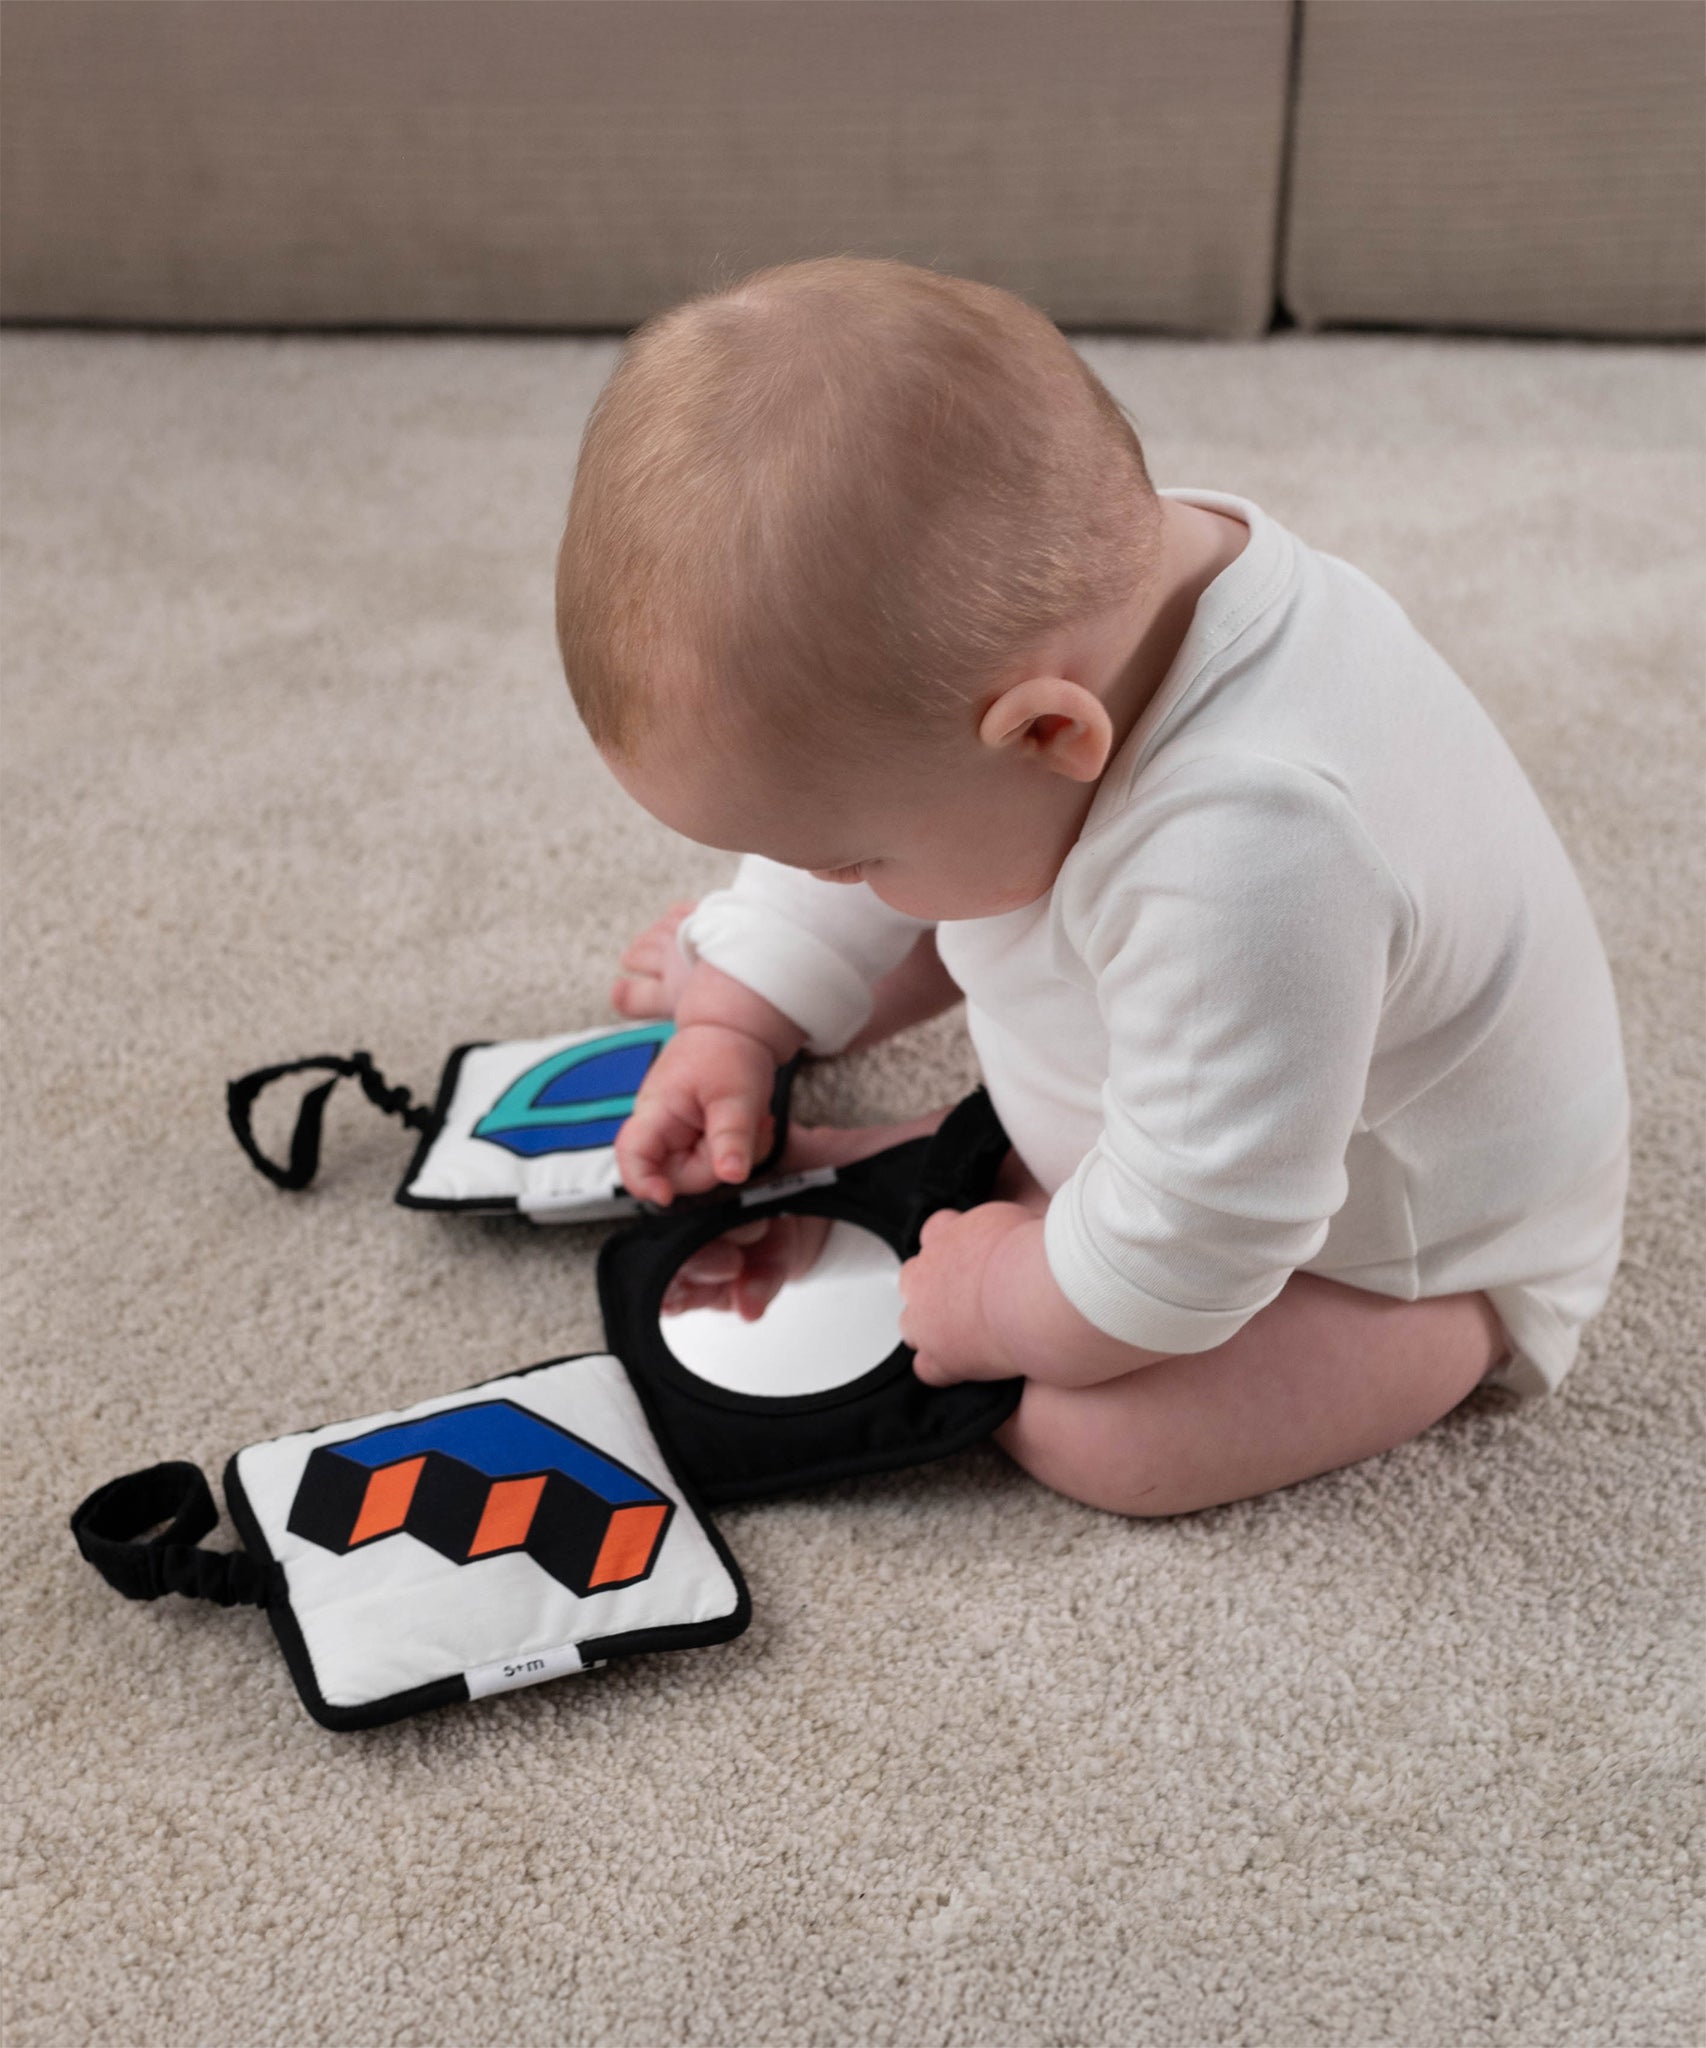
(618, 1072)
(579, 1098)
(499, 1439)
(536, 1143)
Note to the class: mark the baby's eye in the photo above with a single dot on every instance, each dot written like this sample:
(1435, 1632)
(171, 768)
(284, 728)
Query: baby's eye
(853, 872)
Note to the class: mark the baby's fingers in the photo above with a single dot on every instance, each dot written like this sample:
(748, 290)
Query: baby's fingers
(682, 1294)
(753, 1293)
(719, 1262)
(732, 1125)
(931, 1371)
(787, 1251)
(649, 1146)
(638, 995)
(724, 1257)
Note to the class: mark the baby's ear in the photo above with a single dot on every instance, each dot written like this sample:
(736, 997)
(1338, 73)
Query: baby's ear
(1061, 725)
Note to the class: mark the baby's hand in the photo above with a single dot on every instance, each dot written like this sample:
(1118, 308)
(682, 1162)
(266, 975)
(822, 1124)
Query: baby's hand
(942, 1287)
(702, 1114)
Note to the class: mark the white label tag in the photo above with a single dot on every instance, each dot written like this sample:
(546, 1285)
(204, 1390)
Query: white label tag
(575, 1208)
(793, 1184)
(530, 1667)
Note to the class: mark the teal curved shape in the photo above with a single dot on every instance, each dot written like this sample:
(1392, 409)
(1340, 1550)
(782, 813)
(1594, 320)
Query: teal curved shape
(579, 1098)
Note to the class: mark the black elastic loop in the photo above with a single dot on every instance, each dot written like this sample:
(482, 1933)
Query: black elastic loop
(107, 1524)
(240, 1097)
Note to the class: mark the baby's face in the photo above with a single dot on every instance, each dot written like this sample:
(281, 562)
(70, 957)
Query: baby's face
(967, 823)
(951, 830)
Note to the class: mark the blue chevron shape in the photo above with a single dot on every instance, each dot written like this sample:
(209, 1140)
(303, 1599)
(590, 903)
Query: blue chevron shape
(579, 1098)
(499, 1439)
(481, 1480)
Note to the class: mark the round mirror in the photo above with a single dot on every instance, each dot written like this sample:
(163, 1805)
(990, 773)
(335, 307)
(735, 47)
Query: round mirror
(828, 1327)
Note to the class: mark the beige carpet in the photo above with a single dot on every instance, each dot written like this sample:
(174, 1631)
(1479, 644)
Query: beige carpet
(1410, 1754)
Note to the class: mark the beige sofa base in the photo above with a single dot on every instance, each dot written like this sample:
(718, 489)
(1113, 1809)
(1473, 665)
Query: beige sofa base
(580, 163)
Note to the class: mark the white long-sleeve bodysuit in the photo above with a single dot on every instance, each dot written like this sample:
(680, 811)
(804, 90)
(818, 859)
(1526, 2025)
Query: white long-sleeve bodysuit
(1316, 989)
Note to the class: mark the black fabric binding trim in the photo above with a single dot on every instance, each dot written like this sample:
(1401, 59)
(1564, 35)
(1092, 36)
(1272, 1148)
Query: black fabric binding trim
(680, 1635)
(965, 1154)
(449, 1691)
(741, 1447)
(976, 1425)
(430, 1132)
(781, 1097)
(781, 1108)
(241, 1094)
(439, 1692)
(847, 1199)
(108, 1524)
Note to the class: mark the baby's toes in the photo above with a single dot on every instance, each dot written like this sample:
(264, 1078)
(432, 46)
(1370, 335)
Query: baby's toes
(656, 970)
(643, 954)
(657, 941)
(635, 995)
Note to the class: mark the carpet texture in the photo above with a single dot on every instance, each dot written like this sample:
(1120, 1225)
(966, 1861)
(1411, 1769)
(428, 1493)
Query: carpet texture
(1409, 1754)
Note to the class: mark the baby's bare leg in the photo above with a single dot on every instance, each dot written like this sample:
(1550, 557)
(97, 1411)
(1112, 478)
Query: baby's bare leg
(841, 1144)
(1324, 1376)
(653, 972)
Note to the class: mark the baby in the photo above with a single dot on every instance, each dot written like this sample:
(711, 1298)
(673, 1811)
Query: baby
(1279, 977)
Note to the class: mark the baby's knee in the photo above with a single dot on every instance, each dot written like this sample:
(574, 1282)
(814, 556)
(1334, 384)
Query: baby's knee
(1064, 1441)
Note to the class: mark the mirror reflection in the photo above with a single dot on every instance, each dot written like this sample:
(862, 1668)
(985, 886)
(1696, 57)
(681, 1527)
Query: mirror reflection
(825, 1296)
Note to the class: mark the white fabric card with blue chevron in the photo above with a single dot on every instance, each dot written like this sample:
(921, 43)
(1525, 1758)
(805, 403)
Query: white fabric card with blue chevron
(531, 1124)
(497, 1537)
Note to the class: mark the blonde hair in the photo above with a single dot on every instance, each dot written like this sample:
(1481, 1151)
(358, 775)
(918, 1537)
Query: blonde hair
(843, 486)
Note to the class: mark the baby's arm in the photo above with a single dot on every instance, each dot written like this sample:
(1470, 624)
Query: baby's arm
(1241, 1008)
(654, 970)
(982, 1304)
(780, 961)
(819, 951)
(702, 1114)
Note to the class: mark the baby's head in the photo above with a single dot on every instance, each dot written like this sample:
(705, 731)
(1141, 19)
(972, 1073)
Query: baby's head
(845, 539)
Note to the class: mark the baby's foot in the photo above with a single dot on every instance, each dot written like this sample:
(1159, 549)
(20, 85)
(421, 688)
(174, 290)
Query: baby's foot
(656, 971)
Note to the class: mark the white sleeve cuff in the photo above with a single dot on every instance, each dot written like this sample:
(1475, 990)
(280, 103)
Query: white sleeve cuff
(787, 965)
(1110, 1299)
